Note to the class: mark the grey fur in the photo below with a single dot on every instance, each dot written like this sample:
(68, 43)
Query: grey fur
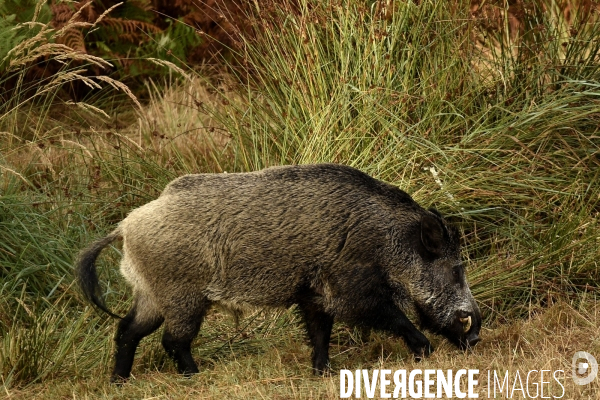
(327, 237)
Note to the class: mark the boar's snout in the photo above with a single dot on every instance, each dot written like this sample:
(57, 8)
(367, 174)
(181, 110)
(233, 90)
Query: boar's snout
(472, 340)
(469, 324)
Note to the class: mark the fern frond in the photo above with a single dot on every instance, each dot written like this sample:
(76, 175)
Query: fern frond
(145, 5)
(61, 13)
(73, 38)
(132, 27)
(128, 37)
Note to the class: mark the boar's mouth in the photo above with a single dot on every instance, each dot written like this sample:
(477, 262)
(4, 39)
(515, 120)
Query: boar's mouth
(463, 332)
(461, 338)
(464, 341)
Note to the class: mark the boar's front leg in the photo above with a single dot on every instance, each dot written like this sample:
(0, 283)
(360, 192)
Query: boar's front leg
(318, 325)
(391, 319)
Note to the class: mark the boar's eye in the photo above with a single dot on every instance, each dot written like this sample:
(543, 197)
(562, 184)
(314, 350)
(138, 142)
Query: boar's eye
(457, 273)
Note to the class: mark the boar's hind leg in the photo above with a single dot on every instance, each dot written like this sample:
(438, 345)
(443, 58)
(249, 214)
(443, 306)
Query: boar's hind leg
(139, 322)
(181, 327)
(318, 325)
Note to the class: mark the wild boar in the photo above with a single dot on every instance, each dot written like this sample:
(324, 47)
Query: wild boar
(329, 238)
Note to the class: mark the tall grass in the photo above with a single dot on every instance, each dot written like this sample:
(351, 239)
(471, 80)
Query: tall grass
(501, 138)
(510, 153)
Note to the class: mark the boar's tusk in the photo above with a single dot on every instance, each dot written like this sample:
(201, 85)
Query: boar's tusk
(467, 323)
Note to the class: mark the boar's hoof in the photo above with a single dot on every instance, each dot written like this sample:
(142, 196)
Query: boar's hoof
(118, 380)
(325, 372)
(422, 350)
(322, 369)
(188, 374)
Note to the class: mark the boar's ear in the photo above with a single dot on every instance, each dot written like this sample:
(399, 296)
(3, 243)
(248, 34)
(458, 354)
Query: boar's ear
(432, 234)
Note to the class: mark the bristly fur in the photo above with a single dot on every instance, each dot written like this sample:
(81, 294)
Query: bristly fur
(328, 238)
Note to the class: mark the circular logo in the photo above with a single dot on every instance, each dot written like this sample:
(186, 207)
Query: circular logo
(584, 364)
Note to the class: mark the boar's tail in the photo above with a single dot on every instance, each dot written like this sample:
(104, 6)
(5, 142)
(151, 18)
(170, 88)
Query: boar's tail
(85, 271)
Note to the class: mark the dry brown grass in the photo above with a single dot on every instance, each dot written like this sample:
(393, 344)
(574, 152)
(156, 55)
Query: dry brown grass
(278, 366)
(177, 123)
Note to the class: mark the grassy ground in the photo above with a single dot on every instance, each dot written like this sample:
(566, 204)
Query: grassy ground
(501, 136)
(271, 360)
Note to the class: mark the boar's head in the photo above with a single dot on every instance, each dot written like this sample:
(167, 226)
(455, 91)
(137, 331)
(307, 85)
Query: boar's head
(433, 282)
